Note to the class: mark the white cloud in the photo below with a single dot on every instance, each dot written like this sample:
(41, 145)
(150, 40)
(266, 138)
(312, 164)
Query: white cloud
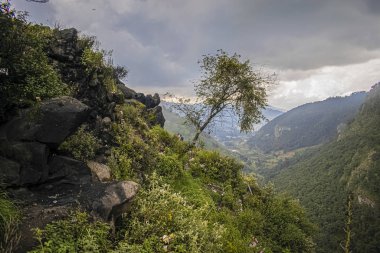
(299, 87)
(324, 48)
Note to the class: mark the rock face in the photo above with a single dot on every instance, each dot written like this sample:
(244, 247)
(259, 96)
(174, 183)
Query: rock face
(53, 201)
(159, 116)
(115, 199)
(47, 184)
(31, 158)
(9, 171)
(51, 123)
(99, 171)
(60, 117)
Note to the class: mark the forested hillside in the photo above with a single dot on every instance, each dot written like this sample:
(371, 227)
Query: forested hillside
(325, 178)
(308, 125)
(87, 167)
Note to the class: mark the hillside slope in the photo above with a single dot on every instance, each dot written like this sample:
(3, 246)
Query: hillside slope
(89, 168)
(308, 125)
(323, 178)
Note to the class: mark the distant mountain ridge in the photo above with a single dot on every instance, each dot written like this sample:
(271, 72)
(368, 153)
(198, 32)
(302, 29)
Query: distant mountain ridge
(323, 177)
(309, 124)
(226, 126)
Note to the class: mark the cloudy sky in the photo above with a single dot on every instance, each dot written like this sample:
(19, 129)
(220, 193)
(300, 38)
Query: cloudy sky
(318, 48)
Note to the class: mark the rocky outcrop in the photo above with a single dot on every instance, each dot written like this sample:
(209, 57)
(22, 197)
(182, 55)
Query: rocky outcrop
(50, 123)
(55, 200)
(31, 159)
(99, 171)
(48, 184)
(115, 200)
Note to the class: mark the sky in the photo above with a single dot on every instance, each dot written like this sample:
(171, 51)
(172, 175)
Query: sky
(317, 48)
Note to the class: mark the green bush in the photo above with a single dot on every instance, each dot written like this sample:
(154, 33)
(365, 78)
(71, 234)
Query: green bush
(163, 221)
(23, 50)
(169, 166)
(82, 145)
(214, 167)
(9, 223)
(74, 234)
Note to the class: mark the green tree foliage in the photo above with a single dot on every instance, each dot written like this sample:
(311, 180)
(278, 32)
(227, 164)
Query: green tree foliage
(226, 82)
(23, 48)
(191, 200)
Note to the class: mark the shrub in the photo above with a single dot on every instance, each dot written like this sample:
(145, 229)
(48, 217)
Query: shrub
(9, 223)
(74, 234)
(163, 221)
(169, 166)
(213, 167)
(23, 50)
(82, 145)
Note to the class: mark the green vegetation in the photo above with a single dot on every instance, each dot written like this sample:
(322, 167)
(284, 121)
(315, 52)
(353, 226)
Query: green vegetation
(308, 125)
(324, 177)
(9, 222)
(98, 65)
(23, 51)
(191, 199)
(74, 234)
(226, 82)
(82, 145)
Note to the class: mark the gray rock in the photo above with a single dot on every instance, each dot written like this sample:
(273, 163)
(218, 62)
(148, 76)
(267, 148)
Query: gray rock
(99, 171)
(159, 116)
(32, 156)
(152, 101)
(106, 121)
(51, 123)
(9, 172)
(68, 168)
(127, 92)
(115, 199)
(60, 117)
(65, 45)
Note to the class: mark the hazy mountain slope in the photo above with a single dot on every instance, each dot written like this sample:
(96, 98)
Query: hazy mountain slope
(175, 125)
(323, 177)
(308, 125)
(226, 126)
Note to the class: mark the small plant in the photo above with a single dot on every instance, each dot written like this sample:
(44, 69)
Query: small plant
(163, 221)
(9, 224)
(82, 145)
(74, 234)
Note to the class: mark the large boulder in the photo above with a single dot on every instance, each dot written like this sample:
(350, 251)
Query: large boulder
(32, 160)
(50, 123)
(9, 172)
(62, 167)
(64, 45)
(127, 92)
(152, 101)
(60, 117)
(159, 116)
(99, 171)
(115, 200)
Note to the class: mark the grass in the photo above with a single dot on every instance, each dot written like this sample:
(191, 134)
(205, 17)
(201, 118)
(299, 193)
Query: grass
(9, 223)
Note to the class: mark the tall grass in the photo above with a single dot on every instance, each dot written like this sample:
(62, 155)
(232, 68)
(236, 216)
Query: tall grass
(9, 224)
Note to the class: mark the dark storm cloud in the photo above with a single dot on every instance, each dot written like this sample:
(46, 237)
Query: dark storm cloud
(161, 41)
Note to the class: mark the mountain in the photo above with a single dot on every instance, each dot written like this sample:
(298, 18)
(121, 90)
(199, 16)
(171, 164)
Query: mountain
(176, 125)
(226, 127)
(308, 125)
(324, 177)
(85, 165)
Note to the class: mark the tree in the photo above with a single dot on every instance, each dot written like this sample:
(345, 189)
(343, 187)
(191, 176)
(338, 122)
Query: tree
(226, 82)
